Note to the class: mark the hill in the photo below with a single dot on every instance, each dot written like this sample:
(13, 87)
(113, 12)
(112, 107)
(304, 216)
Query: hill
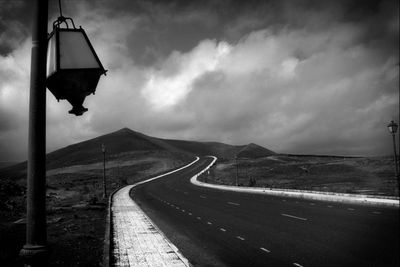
(119, 142)
(126, 144)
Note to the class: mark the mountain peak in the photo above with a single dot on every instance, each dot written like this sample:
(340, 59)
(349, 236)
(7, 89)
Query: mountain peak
(124, 130)
(254, 151)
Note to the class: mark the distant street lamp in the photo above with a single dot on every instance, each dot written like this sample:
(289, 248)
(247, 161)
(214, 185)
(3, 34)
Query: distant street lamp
(393, 129)
(103, 148)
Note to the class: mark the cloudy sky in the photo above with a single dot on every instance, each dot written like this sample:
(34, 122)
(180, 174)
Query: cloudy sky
(296, 76)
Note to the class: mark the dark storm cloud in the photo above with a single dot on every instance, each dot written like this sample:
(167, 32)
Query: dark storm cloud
(294, 76)
(14, 20)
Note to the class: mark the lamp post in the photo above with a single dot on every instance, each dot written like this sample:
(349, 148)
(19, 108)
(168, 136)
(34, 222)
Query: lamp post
(72, 81)
(392, 126)
(103, 148)
(34, 252)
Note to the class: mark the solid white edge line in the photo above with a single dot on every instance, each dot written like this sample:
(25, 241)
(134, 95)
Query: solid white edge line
(264, 249)
(298, 265)
(233, 203)
(292, 216)
(165, 174)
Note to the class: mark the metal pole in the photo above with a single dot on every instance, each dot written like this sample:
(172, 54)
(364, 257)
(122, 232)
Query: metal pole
(104, 175)
(35, 251)
(237, 171)
(396, 164)
(395, 155)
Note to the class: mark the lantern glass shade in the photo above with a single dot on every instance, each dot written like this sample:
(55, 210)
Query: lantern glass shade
(73, 68)
(51, 57)
(75, 51)
(392, 127)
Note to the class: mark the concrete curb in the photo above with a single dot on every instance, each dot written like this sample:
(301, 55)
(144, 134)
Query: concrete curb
(108, 233)
(313, 195)
(108, 245)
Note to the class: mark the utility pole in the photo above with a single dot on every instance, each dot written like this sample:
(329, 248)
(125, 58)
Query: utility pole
(103, 148)
(35, 251)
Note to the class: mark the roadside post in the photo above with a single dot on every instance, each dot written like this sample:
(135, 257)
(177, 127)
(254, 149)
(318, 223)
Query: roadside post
(237, 170)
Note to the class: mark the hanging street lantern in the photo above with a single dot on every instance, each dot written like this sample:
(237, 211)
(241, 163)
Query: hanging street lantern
(392, 127)
(73, 68)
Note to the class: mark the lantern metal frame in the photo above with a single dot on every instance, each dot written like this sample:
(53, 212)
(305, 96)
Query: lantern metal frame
(74, 96)
(57, 29)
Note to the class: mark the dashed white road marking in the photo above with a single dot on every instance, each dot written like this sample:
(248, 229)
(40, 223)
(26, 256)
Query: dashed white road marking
(183, 210)
(376, 212)
(240, 238)
(284, 200)
(198, 218)
(329, 206)
(298, 265)
(264, 249)
(292, 216)
(233, 203)
(350, 209)
(222, 229)
(190, 214)
(209, 223)
(203, 196)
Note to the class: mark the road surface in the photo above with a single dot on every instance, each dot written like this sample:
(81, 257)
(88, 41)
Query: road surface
(241, 229)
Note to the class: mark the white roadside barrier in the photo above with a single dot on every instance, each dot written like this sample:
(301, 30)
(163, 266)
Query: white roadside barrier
(312, 195)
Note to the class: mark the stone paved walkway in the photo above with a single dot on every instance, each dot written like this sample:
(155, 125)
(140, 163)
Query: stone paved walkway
(136, 239)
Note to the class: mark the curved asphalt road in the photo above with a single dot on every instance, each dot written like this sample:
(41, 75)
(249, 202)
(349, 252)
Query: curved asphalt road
(258, 230)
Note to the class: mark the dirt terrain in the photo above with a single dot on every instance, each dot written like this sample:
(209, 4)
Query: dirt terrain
(358, 175)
